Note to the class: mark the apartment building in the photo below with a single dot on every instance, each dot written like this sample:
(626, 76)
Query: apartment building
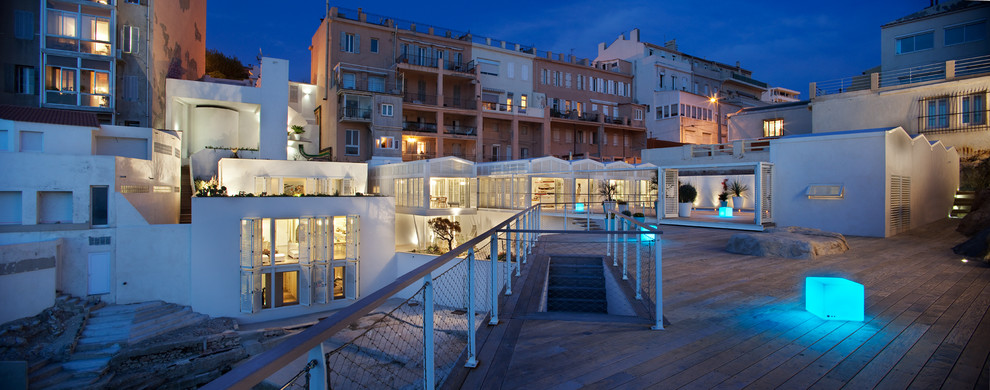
(686, 97)
(107, 57)
(395, 90)
(944, 31)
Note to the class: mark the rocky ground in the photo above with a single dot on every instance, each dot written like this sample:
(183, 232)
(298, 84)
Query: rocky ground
(50, 334)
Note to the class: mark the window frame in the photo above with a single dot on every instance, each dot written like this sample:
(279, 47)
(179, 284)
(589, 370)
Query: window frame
(914, 37)
(352, 139)
(963, 26)
(773, 127)
(387, 109)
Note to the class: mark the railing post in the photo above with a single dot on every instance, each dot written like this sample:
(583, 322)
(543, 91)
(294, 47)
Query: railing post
(494, 278)
(658, 284)
(508, 264)
(608, 237)
(318, 374)
(472, 358)
(625, 247)
(518, 250)
(639, 247)
(565, 216)
(428, 376)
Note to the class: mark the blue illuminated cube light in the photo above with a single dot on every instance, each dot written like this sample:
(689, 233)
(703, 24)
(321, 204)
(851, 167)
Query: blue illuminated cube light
(648, 237)
(834, 298)
(579, 207)
(725, 212)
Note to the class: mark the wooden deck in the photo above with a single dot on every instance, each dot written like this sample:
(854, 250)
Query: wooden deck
(739, 321)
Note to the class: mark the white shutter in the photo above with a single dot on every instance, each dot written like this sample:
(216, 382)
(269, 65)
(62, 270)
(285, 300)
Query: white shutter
(250, 290)
(135, 40)
(251, 243)
(305, 285)
(343, 41)
(567, 80)
(319, 282)
(351, 280)
(353, 232)
(304, 236)
(357, 43)
(669, 193)
(524, 72)
(310, 186)
(322, 239)
(348, 187)
(766, 192)
(511, 70)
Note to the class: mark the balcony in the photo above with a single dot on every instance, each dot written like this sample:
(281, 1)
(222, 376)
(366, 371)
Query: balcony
(462, 67)
(415, 59)
(419, 98)
(369, 85)
(435, 62)
(467, 104)
(459, 130)
(413, 156)
(492, 106)
(355, 114)
(617, 120)
(572, 114)
(419, 127)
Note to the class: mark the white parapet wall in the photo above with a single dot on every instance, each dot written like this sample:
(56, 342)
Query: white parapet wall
(27, 278)
(239, 174)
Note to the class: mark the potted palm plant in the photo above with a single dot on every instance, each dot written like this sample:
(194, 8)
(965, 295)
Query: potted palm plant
(607, 192)
(686, 194)
(296, 132)
(737, 189)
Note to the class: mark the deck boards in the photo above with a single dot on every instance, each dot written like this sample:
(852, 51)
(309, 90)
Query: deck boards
(739, 321)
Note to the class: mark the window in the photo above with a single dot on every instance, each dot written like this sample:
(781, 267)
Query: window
(556, 136)
(567, 80)
(524, 72)
(10, 208)
(387, 143)
(374, 45)
(973, 109)
(24, 79)
(32, 141)
(917, 42)
(615, 140)
(130, 39)
(673, 110)
(62, 23)
(773, 127)
(349, 42)
(99, 205)
(523, 152)
(937, 112)
(488, 67)
(522, 104)
(297, 261)
(352, 143)
(23, 24)
(970, 32)
(580, 82)
(510, 70)
(387, 110)
(556, 79)
(376, 83)
(638, 114)
(54, 206)
(544, 75)
(348, 80)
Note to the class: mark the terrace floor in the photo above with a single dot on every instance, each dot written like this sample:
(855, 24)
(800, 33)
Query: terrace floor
(739, 321)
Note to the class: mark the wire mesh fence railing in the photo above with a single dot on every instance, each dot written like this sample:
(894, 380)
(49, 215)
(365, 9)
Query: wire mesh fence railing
(426, 327)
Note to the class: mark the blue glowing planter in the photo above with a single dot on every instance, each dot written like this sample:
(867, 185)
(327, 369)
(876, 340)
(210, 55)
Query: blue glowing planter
(579, 207)
(725, 212)
(834, 298)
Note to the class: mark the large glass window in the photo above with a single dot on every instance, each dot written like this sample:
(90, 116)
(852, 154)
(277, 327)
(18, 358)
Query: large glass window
(917, 42)
(450, 193)
(970, 32)
(773, 127)
(937, 112)
(352, 143)
(974, 108)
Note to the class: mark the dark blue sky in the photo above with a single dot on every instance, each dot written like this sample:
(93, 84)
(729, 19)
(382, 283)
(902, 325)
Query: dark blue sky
(784, 43)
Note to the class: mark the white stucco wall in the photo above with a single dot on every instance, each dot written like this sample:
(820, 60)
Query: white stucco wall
(749, 124)
(215, 247)
(238, 174)
(27, 283)
(56, 139)
(152, 263)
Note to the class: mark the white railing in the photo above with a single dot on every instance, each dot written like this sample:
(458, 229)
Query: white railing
(946, 70)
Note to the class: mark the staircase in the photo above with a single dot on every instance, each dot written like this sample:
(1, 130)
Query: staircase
(963, 204)
(185, 196)
(105, 332)
(586, 223)
(576, 284)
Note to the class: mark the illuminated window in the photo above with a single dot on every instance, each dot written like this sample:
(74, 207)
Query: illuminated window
(917, 42)
(522, 103)
(773, 127)
(387, 143)
(62, 23)
(60, 79)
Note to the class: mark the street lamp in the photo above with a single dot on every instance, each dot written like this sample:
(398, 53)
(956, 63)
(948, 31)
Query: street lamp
(718, 115)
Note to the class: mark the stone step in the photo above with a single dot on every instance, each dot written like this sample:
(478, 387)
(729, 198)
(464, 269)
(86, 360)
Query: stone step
(131, 308)
(103, 341)
(44, 372)
(95, 346)
(50, 382)
(577, 305)
(577, 281)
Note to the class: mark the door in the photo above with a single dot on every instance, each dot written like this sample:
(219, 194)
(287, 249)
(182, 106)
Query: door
(99, 273)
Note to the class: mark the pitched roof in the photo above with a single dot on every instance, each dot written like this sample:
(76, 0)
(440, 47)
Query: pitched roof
(48, 115)
(936, 9)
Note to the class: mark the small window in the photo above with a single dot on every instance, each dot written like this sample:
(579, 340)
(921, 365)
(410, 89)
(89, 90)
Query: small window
(32, 141)
(130, 39)
(773, 127)
(349, 42)
(376, 84)
(374, 45)
(825, 191)
(970, 32)
(100, 205)
(936, 113)
(387, 109)
(54, 207)
(638, 114)
(387, 143)
(973, 109)
(917, 42)
(352, 143)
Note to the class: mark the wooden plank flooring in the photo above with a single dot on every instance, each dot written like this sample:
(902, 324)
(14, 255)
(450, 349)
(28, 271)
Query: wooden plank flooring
(739, 322)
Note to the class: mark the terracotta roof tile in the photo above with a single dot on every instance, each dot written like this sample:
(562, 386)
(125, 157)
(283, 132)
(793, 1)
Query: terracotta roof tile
(48, 115)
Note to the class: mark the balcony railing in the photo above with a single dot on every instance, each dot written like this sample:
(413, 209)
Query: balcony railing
(419, 98)
(617, 120)
(459, 130)
(458, 66)
(368, 85)
(407, 156)
(574, 114)
(355, 113)
(906, 76)
(415, 59)
(419, 127)
(492, 106)
(467, 104)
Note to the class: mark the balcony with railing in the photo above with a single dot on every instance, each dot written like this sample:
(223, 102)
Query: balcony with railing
(369, 85)
(574, 115)
(904, 77)
(419, 98)
(459, 130)
(362, 114)
(459, 66)
(466, 104)
(419, 127)
(494, 106)
(414, 156)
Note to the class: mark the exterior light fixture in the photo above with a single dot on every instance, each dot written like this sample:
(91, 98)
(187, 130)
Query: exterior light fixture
(579, 207)
(725, 212)
(834, 298)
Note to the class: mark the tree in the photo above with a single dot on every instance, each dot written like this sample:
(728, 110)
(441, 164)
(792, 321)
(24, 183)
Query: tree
(607, 191)
(220, 65)
(445, 229)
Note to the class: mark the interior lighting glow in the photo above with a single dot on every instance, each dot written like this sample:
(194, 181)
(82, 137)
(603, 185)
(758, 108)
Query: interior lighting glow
(725, 212)
(834, 298)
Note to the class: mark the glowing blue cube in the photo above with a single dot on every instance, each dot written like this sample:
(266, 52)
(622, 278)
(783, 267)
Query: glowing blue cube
(834, 298)
(579, 207)
(725, 212)
(649, 237)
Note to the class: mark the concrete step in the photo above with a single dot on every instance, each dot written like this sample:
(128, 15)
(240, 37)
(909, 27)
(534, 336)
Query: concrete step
(164, 327)
(577, 305)
(97, 366)
(106, 352)
(44, 372)
(576, 292)
(132, 308)
(575, 271)
(577, 281)
(583, 260)
(50, 382)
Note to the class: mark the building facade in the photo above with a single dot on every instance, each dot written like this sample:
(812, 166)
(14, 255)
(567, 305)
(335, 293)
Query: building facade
(942, 32)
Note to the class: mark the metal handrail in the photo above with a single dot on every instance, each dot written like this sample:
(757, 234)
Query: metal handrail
(259, 368)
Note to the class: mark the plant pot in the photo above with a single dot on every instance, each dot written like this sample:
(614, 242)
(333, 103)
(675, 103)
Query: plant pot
(684, 209)
(296, 136)
(737, 202)
(723, 203)
(608, 205)
(640, 219)
(623, 207)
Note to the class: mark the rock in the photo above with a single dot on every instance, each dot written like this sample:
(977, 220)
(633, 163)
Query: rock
(791, 242)
(977, 247)
(978, 217)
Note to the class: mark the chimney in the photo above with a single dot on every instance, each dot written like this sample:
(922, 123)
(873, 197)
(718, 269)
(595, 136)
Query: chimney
(634, 35)
(737, 65)
(671, 44)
